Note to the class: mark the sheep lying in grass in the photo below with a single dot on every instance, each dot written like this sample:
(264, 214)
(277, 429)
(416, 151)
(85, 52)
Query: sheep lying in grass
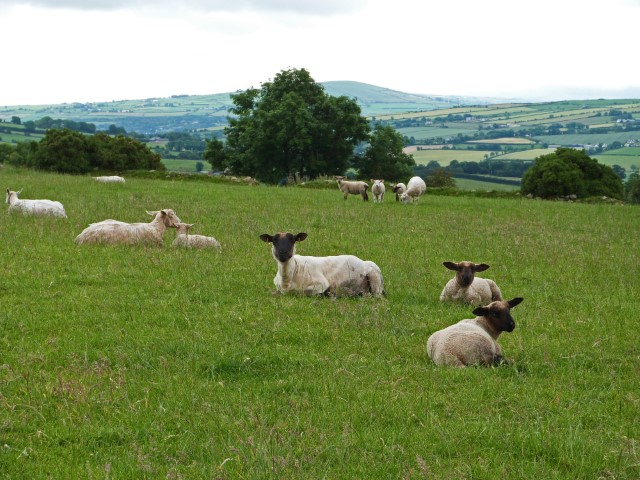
(473, 342)
(186, 240)
(378, 190)
(336, 275)
(399, 189)
(116, 232)
(466, 287)
(354, 188)
(109, 179)
(34, 207)
(415, 188)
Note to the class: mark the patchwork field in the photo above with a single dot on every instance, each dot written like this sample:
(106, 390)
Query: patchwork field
(141, 362)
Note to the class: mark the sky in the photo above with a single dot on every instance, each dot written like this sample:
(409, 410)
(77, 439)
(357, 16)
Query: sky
(64, 51)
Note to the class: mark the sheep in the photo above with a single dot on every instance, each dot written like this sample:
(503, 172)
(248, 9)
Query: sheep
(345, 275)
(34, 207)
(109, 179)
(468, 288)
(399, 189)
(354, 188)
(474, 341)
(116, 232)
(415, 188)
(378, 190)
(184, 239)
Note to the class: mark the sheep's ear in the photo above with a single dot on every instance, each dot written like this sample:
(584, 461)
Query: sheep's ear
(300, 237)
(265, 237)
(481, 311)
(451, 266)
(480, 267)
(19, 191)
(153, 214)
(8, 191)
(515, 301)
(190, 225)
(164, 213)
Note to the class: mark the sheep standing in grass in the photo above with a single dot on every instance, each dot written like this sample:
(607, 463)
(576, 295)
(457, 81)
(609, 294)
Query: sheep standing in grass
(399, 189)
(109, 179)
(354, 188)
(186, 240)
(116, 232)
(34, 207)
(378, 190)
(336, 275)
(473, 342)
(415, 188)
(466, 287)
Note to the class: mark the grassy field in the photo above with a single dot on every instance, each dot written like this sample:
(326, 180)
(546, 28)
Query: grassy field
(625, 157)
(188, 166)
(444, 157)
(467, 184)
(134, 362)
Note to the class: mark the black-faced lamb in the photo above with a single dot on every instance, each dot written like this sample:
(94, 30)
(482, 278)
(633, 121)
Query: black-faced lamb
(378, 190)
(399, 189)
(34, 207)
(353, 187)
(187, 240)
(415, 188)
(466, 287)
(116, 232)
(341, 275)
(474, 341)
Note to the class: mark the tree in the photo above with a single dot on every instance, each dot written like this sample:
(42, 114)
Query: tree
(440, 177)
(632, 188)
(568, 171)
(63, 151)
(16, 120)
(384, 158)
(215, 154)
(199, 166)
(289, 126)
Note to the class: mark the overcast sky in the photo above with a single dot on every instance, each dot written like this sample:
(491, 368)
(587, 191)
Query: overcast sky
(56, 51)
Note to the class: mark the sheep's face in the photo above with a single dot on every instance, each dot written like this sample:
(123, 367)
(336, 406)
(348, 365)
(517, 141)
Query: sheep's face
(168, 217)
(499, 315)
(404, 197)
(465, 271)
(183, 228)
(283, 245)
(11, 194)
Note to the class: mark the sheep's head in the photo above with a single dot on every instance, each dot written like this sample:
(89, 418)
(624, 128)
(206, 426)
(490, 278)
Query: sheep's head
(11, 193)
(283, 244)
(167, 216)
(183, 228)
(465, 271)
(498, 314)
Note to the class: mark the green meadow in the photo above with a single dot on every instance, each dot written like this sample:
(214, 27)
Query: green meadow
(153, 362)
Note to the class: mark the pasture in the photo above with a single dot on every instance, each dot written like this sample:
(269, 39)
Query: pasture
(137, 362)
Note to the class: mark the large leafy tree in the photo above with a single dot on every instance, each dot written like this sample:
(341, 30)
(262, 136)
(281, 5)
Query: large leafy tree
(568, 171)
(288, 126)
(384, 158)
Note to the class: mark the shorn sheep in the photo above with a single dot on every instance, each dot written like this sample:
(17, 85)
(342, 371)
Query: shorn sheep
(473, 342)
(109, 179)
(186, 240)
(415, 188)
(341, 275)
(378, 190)
(34, 207)
(354, 188)
(399, 189)
(116, 232)
(466, 287)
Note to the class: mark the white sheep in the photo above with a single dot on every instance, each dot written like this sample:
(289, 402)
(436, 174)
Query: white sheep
(473, 342)
(34, 207)
(116, 232)
(354, 188)
(334, 275)
(186, 240)
(466, 287)
(378, 190)
(415, 188)
(109, 179)
(399, 189)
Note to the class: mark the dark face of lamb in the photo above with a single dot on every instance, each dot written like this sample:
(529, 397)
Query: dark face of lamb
(498, 313)
(465, 271)
(283, 244)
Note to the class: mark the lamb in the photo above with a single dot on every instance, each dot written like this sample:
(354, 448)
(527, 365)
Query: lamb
(345, 275)
(468, 288)
(115, 232)
(378, 190)
(109, 179)
(184, 239)
(355, 188)
(473, 342)
(399, 189)
(34, 207)
(415, 188)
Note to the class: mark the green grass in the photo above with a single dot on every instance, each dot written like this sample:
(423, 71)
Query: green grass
(467, 184)
(625, 157)
(188, 166)
(445, 157)
(161, 363)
